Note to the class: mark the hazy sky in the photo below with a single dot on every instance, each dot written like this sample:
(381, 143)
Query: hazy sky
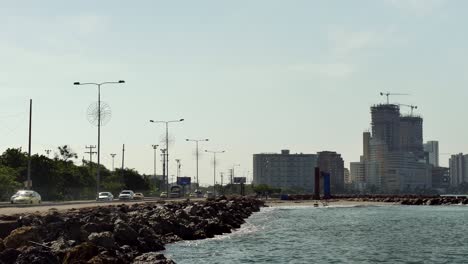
(252, 76)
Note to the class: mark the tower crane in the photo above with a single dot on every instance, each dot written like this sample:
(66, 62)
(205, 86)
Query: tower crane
(411, 106)
(388, 94)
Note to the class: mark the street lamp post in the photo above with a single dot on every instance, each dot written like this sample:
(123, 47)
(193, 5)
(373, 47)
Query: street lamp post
(196, 141)
(155, 147)
(99, 125)
(167, 147)
(113, 156)
(214, 168)
(178, 167)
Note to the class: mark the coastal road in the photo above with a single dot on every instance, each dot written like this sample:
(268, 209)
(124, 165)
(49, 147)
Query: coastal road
(45, 207)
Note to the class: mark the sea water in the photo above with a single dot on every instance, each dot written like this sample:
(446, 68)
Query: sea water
(334, 234)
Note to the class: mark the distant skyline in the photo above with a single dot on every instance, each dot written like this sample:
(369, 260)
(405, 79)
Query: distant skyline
(251, 76)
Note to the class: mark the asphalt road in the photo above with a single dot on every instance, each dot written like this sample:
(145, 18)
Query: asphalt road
(8, 209)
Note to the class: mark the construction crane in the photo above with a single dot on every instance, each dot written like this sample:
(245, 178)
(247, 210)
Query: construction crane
(411, 106)
(388, 94)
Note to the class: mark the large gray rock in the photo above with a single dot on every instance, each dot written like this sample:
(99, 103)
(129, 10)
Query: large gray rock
(37, 255)
(103, 239)
(124, 234)
(152, 257)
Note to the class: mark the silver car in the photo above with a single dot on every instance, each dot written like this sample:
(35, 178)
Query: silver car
(126, 195)
(105, 196)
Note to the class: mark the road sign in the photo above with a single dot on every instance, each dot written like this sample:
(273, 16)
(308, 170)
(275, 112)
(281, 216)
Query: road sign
(240, 180)
(184, 180)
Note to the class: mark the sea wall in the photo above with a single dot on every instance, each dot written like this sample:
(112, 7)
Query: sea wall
(118, 234)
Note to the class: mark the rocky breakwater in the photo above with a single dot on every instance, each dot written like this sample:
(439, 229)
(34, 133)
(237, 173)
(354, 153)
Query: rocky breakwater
(408, 199)
(119, 234)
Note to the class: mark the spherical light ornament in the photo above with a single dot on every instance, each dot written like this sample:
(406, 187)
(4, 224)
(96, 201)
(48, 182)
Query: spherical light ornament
(93, 113)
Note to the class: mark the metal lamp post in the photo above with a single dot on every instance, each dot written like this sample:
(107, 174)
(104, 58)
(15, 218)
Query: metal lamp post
(99, 125)
(155, 147)
(167, 147)
(196, 141)
(113, 156)
(214, 168)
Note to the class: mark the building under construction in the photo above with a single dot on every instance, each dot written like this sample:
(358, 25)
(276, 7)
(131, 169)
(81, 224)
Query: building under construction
(393, 155)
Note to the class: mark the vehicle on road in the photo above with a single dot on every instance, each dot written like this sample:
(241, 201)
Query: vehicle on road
(175, 192)
(126, 195)
(26, 197)
(105, 196)
(199, 193)
(163, 195)
(209, 195)
(196, 194)
(138, 196)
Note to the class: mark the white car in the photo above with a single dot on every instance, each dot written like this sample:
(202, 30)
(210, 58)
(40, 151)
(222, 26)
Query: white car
(26, 197)
(126, 195)
(105, 196)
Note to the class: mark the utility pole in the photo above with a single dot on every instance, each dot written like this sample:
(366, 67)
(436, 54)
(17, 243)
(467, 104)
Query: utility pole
(29, 183)
(90, 152)
(196, 141)
(113, 156)
(232, 175)
(47, 151)
(214, 168)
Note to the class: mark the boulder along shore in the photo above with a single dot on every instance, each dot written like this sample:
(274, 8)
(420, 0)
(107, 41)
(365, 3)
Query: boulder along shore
(118, 234)
(393, 199)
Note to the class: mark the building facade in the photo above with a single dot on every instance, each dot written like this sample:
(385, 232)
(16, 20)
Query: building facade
(411, 135)
(285, 170)
(432, 150)
(458, 169)
(331, 162)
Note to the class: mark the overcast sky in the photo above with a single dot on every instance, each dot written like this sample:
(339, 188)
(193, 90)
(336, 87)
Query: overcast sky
(252, 76)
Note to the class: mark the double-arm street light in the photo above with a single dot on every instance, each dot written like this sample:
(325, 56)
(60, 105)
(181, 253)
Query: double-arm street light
(167, 147)
(214, 170)
(99, 125)
(196, 141)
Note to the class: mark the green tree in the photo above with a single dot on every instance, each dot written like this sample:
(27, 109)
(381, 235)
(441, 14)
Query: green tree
(8, 185)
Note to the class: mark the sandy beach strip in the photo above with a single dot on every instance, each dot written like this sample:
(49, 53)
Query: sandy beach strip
(278, 203)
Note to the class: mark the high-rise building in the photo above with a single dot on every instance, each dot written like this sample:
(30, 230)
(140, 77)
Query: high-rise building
(411, 135)
(393, 155)
(458, 169)
(331, 162)
(285, 170)
(357, 175)
(347, 176)
(440, 177)
(432, 149)
(386, 125)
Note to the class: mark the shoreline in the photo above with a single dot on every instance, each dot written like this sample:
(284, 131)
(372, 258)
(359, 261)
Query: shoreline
(332, 202)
